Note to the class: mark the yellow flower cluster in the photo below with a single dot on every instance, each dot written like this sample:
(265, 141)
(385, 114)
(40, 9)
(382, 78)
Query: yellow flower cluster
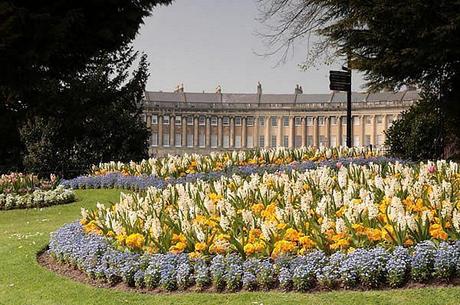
(275, 214)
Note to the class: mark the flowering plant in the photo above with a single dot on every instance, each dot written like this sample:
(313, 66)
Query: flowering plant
(179, 166)
(367, 268)
(19, 190)
(330, 209)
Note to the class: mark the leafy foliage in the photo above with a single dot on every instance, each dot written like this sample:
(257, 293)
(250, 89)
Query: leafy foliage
(99, 119)
(416, 135)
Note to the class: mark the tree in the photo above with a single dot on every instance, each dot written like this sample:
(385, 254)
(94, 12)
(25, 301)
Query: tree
(94, 117)
(393, 43)
(46, 43)
(56, 38)
(416, 136)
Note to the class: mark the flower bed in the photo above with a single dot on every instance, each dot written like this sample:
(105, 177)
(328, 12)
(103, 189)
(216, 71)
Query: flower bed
(140, 182)
(330, 209)
(179, 166)
(19, 190)
(367, 268)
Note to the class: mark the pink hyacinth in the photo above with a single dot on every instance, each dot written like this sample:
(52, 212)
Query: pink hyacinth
(431, 168)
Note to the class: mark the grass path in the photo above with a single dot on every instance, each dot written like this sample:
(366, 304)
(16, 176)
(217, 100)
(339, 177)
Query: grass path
(22, 281)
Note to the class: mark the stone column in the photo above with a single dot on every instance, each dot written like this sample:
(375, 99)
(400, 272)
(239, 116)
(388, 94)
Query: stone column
(315, 132)
(328, 131)
(195, 132)
(304, 131)
(184, 131)
(243, 132)
(232, 132)
(385, 126)
(363, 130)
(220, 134)
(208, 132)
(255, 132)
(267, 131)
(148, 120)
(172, 130)
(374, 130)
(160, 130)
(291, 132)
(280, 132)
(339, 130)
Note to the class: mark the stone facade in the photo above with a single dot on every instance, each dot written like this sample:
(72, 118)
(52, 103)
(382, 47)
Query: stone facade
(183, 122)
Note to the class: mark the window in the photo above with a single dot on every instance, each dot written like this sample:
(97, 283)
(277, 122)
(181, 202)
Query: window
(333, 141)
(261, 141)
(165, 139)
(367, 141)
(389, 120)
(213, 141)
(321, 121)
(344, 120)
(144, 118)
(154, 140)
(298, 141)
(379, 119)
(368, 120)
(379, 139)
(322, 141)
(262, 121)
(356, 141)
(298, 121)
(202, 140)
(309, 140)
(178, 120)
(202, 120)
(237, 141)
(309, 121)
(225, 121)
(286, 141)
(226, 141)
(178, 139)
(273, 144)
(166, 119)
(189, 120)
(355, 121)
(250, 121)
(344, 140)
(274, 121)
(249, 141)
(237, 121)
(154, 119)
(214, 121)
(285, 121)
(190, 140)
(333, 120)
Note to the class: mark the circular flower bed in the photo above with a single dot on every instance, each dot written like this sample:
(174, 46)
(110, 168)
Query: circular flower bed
(374, 267)
(19, 190)
(362, 222)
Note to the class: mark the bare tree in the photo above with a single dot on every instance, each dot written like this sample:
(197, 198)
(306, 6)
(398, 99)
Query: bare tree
(288, 21)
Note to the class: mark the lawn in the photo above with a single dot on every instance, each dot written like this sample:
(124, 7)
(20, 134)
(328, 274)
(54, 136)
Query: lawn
(22, 281)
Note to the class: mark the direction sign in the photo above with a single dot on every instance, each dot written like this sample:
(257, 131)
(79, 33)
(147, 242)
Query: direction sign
(340, 80)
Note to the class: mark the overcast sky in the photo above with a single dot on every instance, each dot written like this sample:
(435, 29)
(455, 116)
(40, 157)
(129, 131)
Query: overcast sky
(203, 43)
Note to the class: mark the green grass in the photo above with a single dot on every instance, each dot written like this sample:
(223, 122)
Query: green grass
(22, 281)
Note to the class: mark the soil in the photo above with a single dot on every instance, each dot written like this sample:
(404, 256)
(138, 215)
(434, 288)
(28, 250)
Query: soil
(68, 271)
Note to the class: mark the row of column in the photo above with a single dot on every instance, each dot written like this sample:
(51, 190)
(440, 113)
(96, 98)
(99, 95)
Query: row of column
(267, 131)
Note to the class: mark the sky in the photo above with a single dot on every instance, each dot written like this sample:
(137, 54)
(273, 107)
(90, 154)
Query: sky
(204, 43)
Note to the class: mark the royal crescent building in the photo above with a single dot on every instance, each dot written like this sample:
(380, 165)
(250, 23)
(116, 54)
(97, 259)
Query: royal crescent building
(185, 122)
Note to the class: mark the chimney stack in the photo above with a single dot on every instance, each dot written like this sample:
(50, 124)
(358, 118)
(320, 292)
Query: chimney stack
(259, 88)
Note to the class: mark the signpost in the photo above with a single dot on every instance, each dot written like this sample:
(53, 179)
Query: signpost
(341, 81)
